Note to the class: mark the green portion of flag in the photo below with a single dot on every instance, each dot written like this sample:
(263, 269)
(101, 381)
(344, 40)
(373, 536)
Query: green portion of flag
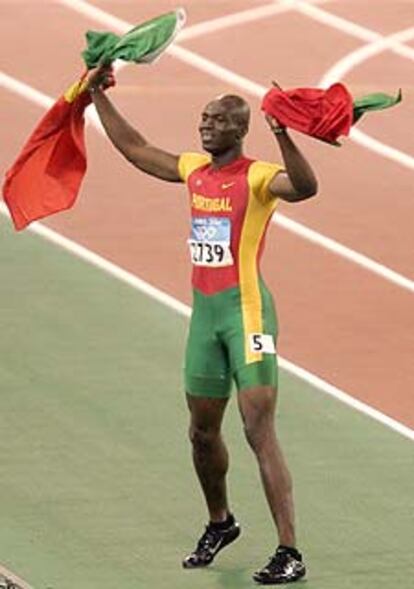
(142, 44)
(98, 45)
(377, 101)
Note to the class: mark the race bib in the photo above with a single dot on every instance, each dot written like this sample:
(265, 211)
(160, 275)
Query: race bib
(210, 242)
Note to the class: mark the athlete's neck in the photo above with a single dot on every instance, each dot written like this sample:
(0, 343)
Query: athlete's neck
(227, 157)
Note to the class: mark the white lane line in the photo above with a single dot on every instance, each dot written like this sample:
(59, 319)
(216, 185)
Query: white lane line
(100, 262)
(343, 251)
(172, 303)
(39, 98)
(18, 583)
(347, 26)
(235, 19)
(94, 13)
(238, 18)
(381, 148)
(191, 31)
(25, 91)
(354, 59)
(347, 399)
(336, 22)
(229, 77)
(358, 56)
(306, 233)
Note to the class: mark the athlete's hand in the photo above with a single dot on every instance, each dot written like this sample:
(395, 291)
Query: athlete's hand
(101, 78)
(275, 125)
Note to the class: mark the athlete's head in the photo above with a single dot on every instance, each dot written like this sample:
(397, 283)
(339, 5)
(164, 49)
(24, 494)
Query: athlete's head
(224, 123)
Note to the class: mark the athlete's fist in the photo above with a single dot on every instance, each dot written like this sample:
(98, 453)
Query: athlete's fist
(101, 78)
(275, 125)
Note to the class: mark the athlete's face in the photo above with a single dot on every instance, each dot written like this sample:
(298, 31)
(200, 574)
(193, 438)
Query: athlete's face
(219, 129)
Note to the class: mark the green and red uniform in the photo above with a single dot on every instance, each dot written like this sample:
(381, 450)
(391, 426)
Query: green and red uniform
(233, 327)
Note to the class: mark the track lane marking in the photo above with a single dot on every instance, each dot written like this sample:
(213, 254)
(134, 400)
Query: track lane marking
(380, 148)
(199, 29)
(347, 26)
(167, 300)
(361, 54)
(343, 251)
(354, 59)
(235, 19)
(376, 44)
(14, 578)
(290, 225)
(238, 18)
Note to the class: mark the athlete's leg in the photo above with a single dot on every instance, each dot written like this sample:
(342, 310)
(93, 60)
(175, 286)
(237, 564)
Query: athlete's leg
(208, 384)
(210, 455)
(257, 407)
(211, 464)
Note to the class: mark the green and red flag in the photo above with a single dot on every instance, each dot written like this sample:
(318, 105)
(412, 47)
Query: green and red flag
(47, 175)
(323, 114)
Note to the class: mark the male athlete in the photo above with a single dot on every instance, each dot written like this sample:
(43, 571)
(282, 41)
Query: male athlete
(233, 328)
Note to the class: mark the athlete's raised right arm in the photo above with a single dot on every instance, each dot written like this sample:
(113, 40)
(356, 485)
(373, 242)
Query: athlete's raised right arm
(133, 146)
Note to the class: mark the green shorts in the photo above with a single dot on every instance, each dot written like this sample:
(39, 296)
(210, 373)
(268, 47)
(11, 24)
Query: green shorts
(230, 339)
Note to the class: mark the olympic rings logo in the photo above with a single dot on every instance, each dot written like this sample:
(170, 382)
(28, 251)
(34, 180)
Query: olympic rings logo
(205, 232)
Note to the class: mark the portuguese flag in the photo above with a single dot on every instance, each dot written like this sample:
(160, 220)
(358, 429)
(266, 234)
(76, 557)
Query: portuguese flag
(323, 114)
(47, 175)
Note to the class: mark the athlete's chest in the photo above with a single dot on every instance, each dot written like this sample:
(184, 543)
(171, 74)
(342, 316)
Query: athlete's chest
(219, 193)
(218, 201)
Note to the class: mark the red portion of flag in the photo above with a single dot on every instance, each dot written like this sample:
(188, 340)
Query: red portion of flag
(47, 175)
(324, 114)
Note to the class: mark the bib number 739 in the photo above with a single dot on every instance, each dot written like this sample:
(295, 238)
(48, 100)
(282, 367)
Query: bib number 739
(204, 253)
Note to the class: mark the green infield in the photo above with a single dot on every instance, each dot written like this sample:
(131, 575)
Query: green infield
(97, 488)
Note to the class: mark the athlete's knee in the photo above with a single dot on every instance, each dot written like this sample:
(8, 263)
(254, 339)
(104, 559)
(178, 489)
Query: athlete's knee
(258, 432)
(203, 440)
(258, 421)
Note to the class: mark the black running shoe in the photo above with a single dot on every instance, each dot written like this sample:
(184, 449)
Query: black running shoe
(285, 566)
(214, 539)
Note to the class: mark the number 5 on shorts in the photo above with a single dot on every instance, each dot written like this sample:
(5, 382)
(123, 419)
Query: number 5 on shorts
(262, 343)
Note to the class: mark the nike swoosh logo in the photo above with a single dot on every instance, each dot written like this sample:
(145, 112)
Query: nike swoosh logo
(227, 185)
(216, 548)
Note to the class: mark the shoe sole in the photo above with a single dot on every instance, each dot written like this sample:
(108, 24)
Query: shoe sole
(267, 581)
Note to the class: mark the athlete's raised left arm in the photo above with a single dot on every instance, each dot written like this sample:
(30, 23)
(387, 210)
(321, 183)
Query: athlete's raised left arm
(299, 181)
